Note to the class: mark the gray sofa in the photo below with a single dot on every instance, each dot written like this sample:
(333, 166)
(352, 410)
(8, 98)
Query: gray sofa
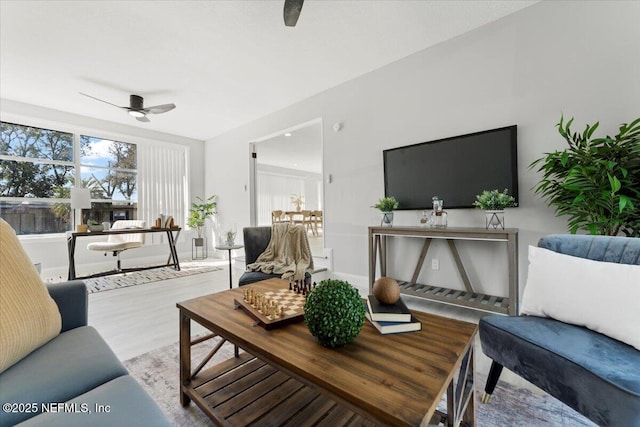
(76, 376)
(592, 373)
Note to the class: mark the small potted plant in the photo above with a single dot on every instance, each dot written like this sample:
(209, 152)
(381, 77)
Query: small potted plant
(493, 202)
(230, 236)
(386, 205)
(199, 212)
(334, 313)
(94, 225)
(297, 200)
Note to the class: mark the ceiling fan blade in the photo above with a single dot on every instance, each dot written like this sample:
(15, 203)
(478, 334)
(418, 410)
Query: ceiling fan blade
(291, 12)
(143, 119)
(101, 100)
(158, 109)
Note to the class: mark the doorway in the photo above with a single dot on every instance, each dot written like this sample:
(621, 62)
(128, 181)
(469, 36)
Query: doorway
(287, 173)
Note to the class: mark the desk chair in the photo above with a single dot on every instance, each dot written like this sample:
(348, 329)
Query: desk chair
(117, 243)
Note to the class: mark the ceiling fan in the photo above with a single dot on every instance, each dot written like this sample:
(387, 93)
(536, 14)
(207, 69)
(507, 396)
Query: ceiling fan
(291, 12)
(136, 107)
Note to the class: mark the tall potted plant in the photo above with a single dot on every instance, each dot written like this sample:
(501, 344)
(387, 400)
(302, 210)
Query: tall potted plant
(200, 211)
(595, 181)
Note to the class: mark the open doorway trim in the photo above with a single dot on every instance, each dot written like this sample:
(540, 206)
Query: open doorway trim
(253, 194)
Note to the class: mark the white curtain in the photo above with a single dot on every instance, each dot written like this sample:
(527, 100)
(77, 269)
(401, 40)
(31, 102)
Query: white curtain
(162, 183)
(274, 193)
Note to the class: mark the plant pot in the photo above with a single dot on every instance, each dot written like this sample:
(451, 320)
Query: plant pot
(198, 241)
(387, 219)
(494, 220)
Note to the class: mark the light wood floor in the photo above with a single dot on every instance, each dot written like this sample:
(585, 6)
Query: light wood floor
(138, 319)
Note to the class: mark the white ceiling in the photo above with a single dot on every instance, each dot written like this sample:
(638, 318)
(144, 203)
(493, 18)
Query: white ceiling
(223, 63)
(298, 149)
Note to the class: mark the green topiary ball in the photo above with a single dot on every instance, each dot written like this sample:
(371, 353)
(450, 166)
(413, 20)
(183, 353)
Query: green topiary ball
(334, 313)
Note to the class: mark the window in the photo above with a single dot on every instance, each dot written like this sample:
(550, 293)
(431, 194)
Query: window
(39, 166)
(109, 169)
(36, 172)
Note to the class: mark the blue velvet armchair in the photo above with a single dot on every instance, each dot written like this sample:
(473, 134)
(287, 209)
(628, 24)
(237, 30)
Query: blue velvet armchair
(592, 373)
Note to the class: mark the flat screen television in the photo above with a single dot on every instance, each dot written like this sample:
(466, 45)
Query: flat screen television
(455, 169)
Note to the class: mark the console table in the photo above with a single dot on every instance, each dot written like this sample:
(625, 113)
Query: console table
(171, 241)
(467, 297)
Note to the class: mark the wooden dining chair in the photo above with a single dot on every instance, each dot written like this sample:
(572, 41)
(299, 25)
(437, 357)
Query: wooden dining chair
(277, 216)
(316, 218)
(307, 222)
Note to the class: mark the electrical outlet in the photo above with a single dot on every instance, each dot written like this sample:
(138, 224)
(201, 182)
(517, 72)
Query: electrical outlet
(435, 264)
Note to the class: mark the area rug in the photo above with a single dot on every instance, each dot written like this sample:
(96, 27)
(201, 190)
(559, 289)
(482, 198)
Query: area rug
(117, 281)
(158, 373)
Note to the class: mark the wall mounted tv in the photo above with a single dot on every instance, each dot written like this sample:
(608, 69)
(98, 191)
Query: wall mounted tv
(454, 169)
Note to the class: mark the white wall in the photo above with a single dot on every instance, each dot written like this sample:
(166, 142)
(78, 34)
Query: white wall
(576, 58)
(51, 250)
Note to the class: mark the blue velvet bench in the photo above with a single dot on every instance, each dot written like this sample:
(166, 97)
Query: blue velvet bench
(592, 373)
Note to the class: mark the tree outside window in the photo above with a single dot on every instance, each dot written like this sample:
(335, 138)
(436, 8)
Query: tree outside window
(37, 170)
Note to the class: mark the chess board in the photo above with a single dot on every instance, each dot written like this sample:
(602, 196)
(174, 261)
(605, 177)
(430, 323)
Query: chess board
(291, 301)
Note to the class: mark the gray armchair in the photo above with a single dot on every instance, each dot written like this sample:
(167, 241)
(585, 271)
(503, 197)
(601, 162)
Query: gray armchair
(592, 373)
(256, 240)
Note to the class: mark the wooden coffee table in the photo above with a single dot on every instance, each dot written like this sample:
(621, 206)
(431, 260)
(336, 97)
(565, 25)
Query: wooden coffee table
(285, 377)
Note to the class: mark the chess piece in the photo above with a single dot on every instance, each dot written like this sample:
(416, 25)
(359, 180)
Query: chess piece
(290, 287)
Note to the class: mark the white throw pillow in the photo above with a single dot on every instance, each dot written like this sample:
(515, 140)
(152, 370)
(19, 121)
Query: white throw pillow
(602, 296)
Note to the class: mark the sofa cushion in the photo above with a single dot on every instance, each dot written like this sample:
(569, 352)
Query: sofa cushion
(603, 296)
(29, 317)
(69, 365)
(594, 374)
(127, 403)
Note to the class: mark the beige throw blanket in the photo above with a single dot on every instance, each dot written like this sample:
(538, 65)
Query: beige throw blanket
(288, 253)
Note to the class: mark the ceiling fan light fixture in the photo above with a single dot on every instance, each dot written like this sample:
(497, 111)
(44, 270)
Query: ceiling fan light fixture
(135, 113)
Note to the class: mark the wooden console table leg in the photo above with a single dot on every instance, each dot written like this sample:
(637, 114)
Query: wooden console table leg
(421, 258)
(383, 256)
(461, 270)
(185, 357)
(372, 260)
(512, 253)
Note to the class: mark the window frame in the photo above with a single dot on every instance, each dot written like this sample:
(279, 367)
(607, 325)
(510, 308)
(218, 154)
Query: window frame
(76, 132)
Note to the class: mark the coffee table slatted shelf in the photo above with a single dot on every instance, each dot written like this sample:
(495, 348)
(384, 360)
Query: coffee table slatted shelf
(475, 300)
(246, 391)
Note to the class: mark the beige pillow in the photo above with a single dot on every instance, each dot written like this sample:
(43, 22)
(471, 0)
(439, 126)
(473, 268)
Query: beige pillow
(28, 315)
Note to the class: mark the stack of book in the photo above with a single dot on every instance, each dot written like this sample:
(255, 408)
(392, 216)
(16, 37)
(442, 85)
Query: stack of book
(391, 318)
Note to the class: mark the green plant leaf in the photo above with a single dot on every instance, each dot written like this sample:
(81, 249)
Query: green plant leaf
(615, 184)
